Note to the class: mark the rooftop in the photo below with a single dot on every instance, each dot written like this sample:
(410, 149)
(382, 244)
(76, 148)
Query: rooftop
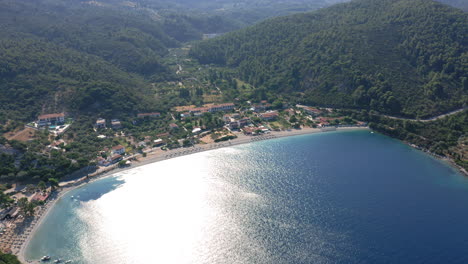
(51, 115)
(149, 114)
(118, 147)
(116, 156)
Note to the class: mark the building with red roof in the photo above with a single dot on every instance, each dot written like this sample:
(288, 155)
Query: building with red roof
(51, 119)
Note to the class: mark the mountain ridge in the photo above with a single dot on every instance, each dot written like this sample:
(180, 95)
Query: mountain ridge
(352, 53)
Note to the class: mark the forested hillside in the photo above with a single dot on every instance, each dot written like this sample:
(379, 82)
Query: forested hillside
(462, 4)
(60, 55)
(241, 12)
(39, 77)
(406, 57)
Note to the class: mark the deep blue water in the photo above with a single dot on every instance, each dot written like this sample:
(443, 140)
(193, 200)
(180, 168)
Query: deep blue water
(338, 197)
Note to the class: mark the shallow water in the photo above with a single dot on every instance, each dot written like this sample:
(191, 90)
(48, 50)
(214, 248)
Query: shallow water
(338, 197)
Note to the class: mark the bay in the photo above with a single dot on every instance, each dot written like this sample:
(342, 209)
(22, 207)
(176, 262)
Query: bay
(337, 197)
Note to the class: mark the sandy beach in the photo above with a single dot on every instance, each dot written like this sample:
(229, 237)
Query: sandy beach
(153, 155)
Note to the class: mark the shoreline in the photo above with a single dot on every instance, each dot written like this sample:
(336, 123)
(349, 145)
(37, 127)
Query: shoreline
(154, 156)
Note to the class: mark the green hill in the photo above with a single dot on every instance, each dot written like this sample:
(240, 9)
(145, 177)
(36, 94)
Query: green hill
(405, 57)
(37, 76)
(61, 55)
(462, 4)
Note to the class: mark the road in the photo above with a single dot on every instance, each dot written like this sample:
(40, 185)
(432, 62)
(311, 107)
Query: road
(432, 118)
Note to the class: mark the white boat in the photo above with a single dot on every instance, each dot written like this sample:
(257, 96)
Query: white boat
(68, 261)
(58, 261)
(45, 258)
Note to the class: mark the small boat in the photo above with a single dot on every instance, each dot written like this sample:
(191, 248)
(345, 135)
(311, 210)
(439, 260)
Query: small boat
(45, 258)
(58, 261)
(68, 261)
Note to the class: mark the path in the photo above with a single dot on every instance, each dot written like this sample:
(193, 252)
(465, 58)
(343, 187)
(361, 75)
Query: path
(429, 119)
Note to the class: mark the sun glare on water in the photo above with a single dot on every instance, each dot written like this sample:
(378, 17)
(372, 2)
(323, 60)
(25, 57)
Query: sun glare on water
(171, 217)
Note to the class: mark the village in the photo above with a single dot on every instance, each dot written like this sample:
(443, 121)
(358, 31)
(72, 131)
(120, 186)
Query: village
(187, 126)
(182, 127)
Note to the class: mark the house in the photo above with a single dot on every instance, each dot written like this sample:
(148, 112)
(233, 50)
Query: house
(116, 158)
(227, 118)
(230, 117)
(142, 144)
(199, 110)
(222, 107)
(116, 124)
(262, 106)
(251, 130)
(143, 115)
(163, 135)
(268, 116)
(102, 161)
(100, 123)
(244, 122)
(40, 197)
(212, 108)
(185, 115)
(51, 119)
(234, 125)
(290, 112)
(173, 126)
(196, 130)
(312, 111)
(159, 142)
(118, 149)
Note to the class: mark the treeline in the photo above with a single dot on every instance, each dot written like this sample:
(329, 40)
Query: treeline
(394, 56)
(8, 259)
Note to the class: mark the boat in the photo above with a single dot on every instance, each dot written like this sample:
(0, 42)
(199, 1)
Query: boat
(45, 258)
(68, 261)
(58, 261)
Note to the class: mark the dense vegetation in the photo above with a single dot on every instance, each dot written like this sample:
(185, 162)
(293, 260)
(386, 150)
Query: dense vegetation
(462, 4)
(62, 55)
(238, 12)
(394, 56)
(447, 137)
(8, 259)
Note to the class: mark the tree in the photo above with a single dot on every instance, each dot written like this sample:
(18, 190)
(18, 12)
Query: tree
(122, 163)
(26, 207)
(293, 119)
(186, 143)
(8, 259)
(30, 188)
(5, 200)
(277, 104)
(42, 186)
(54, 183)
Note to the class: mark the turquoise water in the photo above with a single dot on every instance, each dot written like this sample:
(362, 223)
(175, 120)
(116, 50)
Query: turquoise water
(338, 197)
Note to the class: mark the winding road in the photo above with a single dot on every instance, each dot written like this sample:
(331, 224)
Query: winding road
(432, 118)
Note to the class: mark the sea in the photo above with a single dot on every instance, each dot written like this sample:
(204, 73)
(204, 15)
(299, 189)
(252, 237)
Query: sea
(335, 197)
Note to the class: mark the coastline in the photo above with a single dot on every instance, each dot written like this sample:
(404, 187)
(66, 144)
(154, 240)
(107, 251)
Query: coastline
(156, 155)
(450, 162)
